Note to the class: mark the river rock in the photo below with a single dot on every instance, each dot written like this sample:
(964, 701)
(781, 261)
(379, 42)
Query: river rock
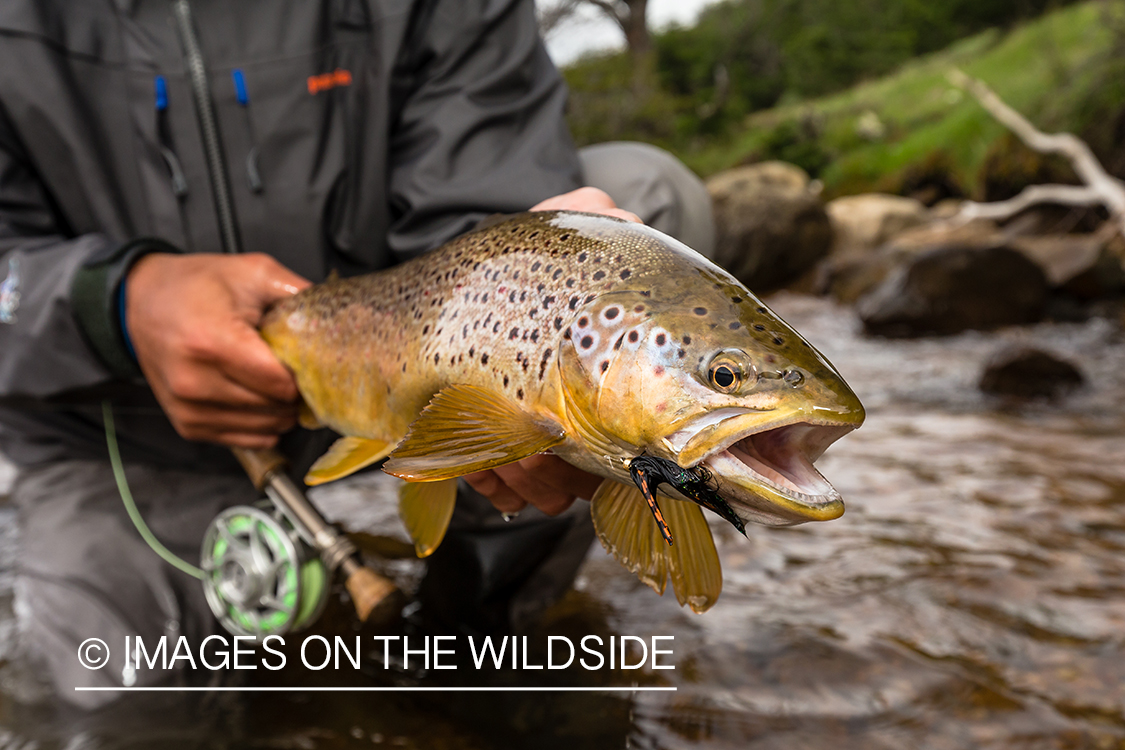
(951, 289)
(770, 226)
(847, 276)
(1083, 265)
(861, 223)
(7, 477)
(1026, 372)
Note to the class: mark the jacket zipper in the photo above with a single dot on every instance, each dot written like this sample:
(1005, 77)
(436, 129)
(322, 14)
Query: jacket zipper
(216, 165)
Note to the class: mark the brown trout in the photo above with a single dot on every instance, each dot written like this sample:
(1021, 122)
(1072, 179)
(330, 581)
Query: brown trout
(605, 342)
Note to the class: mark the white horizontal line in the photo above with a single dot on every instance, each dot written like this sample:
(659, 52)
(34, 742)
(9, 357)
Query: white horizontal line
(534, 689)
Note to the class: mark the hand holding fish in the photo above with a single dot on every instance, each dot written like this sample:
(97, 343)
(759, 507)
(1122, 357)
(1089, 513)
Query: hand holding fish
(193, 322)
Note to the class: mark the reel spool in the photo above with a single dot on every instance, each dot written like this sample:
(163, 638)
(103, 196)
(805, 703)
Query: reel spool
(260, 578)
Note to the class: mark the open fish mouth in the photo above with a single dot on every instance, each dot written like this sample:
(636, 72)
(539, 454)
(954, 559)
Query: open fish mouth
(765, 472)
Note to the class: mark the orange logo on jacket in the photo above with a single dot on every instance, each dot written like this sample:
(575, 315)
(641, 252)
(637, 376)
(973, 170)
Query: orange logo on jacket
(325, 81)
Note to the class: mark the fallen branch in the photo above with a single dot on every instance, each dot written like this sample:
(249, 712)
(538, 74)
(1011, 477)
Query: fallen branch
(1100, 188)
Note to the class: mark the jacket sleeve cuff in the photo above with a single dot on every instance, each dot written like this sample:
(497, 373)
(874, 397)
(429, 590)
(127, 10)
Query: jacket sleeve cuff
(94, 301)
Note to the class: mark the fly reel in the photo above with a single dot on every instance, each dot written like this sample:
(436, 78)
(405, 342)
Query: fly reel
(260, 577)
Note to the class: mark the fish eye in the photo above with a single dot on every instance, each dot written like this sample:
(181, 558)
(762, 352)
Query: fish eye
(730, 370)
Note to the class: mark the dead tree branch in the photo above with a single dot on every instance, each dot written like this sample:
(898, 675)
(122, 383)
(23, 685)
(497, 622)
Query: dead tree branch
(1100, 188)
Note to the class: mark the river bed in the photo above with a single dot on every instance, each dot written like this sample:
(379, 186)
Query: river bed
(972, 596)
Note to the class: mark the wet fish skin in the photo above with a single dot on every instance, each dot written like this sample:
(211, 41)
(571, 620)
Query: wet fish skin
(586, 335)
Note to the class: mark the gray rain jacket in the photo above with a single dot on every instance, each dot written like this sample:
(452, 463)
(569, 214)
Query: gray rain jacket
(331, 134)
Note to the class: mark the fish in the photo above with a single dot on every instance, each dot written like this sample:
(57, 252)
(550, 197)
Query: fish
(602, 341)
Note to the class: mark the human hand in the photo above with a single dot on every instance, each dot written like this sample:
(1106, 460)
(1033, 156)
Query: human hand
(588, 199)
(544, 481)
(193, 323)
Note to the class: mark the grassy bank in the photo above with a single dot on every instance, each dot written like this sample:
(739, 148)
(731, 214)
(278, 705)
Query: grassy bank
(1064, 70)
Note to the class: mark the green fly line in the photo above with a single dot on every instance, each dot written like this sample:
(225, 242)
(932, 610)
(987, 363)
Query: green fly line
(131, 507)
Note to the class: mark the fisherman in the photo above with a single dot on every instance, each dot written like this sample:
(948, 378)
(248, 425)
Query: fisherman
(170, 168)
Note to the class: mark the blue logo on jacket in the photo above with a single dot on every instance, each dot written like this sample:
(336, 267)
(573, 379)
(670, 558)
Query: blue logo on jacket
(10, 292)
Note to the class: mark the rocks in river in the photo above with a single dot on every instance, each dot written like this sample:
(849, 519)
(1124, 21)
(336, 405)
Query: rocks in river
(1027, 372)
(770, 225)
(862, 223)
(953, 288)
(847, 276)
(1085, 266)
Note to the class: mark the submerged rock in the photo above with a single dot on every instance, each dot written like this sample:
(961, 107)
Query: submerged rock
(1026, 372)
(770, 226)
(952, 289)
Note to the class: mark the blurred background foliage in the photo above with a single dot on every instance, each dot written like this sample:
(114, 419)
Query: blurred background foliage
(856, 93)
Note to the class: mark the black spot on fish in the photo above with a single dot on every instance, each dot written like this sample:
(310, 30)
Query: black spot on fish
(680, 354)
(587, 342)
(484, 298)
(590, 298)
(612, 313)
(762, 310)
(639, 309)
(425, 329)
(404, 367)
(472, 351)
(540, 287)
(633, 336)
(583, 322)
(564, 237)
(523, 296)
(557, 273)
(514, 333)
(519, 394)
(686, 339)
(759, 327)
(496, 327)
(465, 331)
(558, 324)
(566, 334)
(605, 365)
(700, 311)
(646, 294)
(570, 283)
(778, 340)
(535, 335)
(484, 359)
(599, 275)
(512, 297)
(437, 357)
(617, 344)
(573, 303)
(736, 300)
(505, 381)
(735, 325)
(625, 274)
(548, 301)
(660, 339)
(582, 258)
(535, 266)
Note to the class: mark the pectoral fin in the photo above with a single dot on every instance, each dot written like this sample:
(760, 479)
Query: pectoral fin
(346, 456)
(425, 508)
(627, 530)
(625, 526)
(693, 561)
(465, 429)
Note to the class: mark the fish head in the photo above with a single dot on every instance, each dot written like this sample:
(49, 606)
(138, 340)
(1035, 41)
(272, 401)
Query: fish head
(693, 368)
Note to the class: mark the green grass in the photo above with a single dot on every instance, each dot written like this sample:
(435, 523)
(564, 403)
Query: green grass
(1049, 70)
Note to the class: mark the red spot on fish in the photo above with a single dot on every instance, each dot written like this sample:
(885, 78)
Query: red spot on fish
(658, 370)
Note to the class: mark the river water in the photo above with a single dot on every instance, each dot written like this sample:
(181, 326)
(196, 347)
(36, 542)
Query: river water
(973, 595)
